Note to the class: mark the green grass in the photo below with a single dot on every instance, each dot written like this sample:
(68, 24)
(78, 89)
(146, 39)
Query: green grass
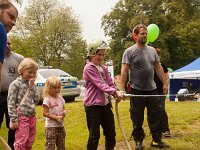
(184, 120)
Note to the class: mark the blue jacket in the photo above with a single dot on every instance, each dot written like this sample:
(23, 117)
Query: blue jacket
(3, 41)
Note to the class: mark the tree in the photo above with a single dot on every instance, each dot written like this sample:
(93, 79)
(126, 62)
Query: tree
(51, 34)
(178, 22)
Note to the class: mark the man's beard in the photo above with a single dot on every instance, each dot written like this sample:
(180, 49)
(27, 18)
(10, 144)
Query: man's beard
(143, 41)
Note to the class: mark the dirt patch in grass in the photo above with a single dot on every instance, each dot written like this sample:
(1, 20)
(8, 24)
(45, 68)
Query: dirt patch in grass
(195, 125)
(119, 146)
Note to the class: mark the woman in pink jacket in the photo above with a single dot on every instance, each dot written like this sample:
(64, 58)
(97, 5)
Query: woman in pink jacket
(97, 102)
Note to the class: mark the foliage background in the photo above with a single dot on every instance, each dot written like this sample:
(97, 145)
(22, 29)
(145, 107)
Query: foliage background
(178, 21)
(50, 32)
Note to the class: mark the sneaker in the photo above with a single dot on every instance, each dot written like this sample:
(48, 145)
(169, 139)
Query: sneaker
(138, 146)
(160, 145)
(166, 134)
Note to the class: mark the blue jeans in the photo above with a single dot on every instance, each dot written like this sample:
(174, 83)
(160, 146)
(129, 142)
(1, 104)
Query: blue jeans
(96, 116)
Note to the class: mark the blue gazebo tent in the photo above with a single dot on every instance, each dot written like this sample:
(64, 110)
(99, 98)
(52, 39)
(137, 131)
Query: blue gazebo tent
(185, 77)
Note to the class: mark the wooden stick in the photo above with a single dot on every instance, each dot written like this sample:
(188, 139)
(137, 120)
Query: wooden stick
(120, 126)
(6, 146)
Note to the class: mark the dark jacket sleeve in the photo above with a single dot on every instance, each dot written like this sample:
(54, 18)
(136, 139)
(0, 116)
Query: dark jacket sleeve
(164, 67)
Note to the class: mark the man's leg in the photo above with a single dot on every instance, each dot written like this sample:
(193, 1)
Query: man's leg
(11, 132)
(2, 108)
(165, 124)
(1, 115)
(154, 115)
(137, 106)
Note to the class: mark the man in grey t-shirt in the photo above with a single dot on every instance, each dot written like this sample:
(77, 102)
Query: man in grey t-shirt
(9, 74)
(141, 60)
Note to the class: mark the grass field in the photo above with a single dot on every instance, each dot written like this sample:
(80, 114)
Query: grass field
(184, 120)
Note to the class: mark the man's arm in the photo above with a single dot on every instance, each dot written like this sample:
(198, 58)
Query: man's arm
(124, 73)
(166, 75)
(162, 76)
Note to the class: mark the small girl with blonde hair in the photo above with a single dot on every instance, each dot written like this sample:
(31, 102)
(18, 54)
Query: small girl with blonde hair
(22, 98)
(54, 111)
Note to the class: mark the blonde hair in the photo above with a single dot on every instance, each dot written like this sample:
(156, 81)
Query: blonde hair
(51, 82)
(27, 63)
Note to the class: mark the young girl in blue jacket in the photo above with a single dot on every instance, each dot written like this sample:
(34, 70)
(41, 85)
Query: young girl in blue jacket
(99, 87)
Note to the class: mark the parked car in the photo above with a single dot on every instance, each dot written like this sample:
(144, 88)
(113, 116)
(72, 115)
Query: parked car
(81, 83)
(70, 88)
(182, 94)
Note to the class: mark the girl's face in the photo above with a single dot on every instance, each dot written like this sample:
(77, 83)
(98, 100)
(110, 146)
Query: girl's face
(54, 91)
(8, 18)
(99, 57)
(29, 73)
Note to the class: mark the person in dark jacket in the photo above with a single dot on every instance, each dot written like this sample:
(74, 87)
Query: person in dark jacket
(159, 85)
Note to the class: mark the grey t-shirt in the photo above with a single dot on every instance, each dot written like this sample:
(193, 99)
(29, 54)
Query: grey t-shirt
(9, 70)
(141, 63)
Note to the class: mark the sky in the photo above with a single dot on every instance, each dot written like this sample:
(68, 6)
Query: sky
(90, 13)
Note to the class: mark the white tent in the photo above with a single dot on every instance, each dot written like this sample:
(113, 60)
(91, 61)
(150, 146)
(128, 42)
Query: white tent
(185, 75)
(190, 71)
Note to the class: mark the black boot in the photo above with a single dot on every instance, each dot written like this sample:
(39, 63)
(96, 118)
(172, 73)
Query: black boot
(138, 146)
(159, 144)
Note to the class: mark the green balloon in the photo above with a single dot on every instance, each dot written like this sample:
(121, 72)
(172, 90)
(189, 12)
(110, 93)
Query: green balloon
(147, 42)
(170, 69)
(153, 32)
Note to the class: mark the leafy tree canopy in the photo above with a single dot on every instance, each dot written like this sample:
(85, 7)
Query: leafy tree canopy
(178, 21)
(51, 34)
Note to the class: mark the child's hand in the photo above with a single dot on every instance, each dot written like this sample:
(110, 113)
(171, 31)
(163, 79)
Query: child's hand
(31, 82)
(64, 114)
(13, 125)
(118, 96)
(59, 118)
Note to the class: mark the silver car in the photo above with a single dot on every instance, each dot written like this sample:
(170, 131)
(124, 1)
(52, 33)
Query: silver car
(81, 83)
(70, 88)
